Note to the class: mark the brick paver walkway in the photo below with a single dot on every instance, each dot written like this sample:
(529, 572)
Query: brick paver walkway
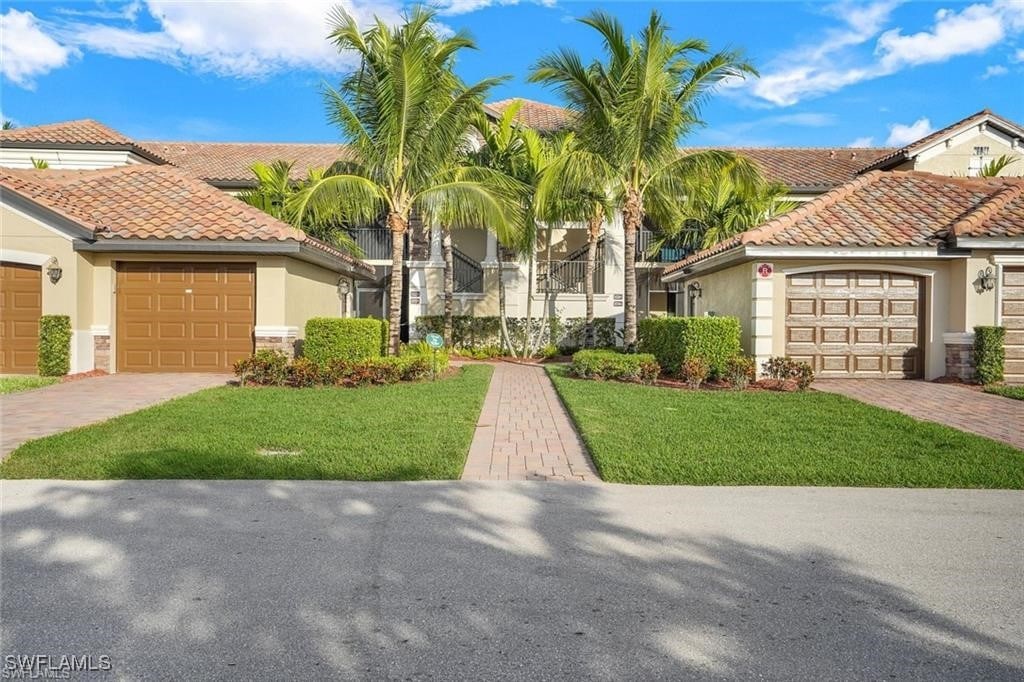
(44, 411)
(524, 432)
(987, 415)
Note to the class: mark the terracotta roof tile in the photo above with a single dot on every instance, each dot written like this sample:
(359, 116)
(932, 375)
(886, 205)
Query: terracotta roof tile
(890, 209)
(83, 131)
(229, 162)
(536, 115)
(154, 202)
(811, 168)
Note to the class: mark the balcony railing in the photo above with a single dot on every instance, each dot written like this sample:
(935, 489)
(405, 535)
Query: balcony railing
(668, 253)
(567, 277)
(467, 273)
(375, 242)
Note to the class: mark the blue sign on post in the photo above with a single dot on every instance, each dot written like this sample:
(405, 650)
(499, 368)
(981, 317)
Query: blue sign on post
(435, 341)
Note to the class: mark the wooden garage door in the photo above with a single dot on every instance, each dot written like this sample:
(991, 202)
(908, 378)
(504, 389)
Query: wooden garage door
(855, 324)
(184, 317)
(21, 305)
(1013, 319)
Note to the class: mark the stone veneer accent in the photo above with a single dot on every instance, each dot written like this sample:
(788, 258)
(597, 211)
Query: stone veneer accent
(101, 351)
(960, 361)
(285, 344)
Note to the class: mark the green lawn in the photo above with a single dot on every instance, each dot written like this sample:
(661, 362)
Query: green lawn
(398, 432)
(1015, 392)
(640, 434)
(13, 384)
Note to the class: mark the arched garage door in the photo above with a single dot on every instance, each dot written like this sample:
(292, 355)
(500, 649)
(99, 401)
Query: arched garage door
(856, 324)
(21, 306)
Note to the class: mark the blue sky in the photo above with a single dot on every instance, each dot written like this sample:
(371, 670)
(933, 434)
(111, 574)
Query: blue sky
(832, 74)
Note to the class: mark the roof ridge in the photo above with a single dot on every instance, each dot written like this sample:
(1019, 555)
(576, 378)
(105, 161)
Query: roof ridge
(210, 142)
(988, 209)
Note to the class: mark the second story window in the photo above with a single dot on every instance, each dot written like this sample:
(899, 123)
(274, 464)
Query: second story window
(977, 161)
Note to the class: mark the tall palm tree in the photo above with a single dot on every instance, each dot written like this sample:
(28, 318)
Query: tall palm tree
(275, 188)
(630, 109)
(404, 114)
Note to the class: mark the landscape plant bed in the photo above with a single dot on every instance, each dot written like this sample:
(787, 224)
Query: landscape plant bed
(652, 435)
(404, 431)
(1014, 392)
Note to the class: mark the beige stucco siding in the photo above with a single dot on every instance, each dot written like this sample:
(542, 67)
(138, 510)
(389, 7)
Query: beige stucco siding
(726, 292)
(956, 159)
(310, 291)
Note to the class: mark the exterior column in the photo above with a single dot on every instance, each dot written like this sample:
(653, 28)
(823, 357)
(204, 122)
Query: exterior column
(959, 355)
(436, 250)
(761, 322)
(491, 257)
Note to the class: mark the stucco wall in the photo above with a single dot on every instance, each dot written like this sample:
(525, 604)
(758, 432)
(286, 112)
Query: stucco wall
(310, 291)
(955, 160)
(726, 292)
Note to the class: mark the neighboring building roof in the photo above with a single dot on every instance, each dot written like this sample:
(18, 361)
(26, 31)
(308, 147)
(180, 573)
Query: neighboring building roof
(907, 152)
(890, 209)
(807, 168)
(84, 131)
(228, 163)
(155, 204)
(537, 115)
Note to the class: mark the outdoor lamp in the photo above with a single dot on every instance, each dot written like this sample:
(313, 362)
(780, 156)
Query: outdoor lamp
(344, 287)
(986, 279)
(695, 290)
(53, 270)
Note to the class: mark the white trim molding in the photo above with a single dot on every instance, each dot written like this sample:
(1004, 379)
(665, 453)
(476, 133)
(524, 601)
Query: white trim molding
(958, 338)
(100, 330)
(872, 267)
(1006, 259)
(762, 315)
(24, 257)
(275, 331)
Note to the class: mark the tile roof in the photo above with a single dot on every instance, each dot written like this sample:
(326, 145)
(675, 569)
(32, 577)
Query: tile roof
(148, 202)
(807, 168)
(229, 162)
(905, 152)
(536, 115)
(890, 209)
(84, 131)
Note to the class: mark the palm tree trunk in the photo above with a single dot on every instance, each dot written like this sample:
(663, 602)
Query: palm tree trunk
(632, 218)
(593, 231)
(398, 226)
(449, 285)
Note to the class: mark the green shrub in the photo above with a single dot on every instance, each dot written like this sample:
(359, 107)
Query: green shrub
(342, 338)
(989, 354)
(674, 339)
(264, 368)
(788, 370)
(478, 332)
(608, 364)
(694, 371)
(740, 370)
(302, 373)
(54, 345)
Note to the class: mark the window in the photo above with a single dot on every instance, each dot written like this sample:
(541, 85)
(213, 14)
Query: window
(981, 151)
(977, 161)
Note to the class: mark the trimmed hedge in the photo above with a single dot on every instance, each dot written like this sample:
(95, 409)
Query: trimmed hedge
(343, 338)
(273, 368)
(989, 354)
(609, 364)
(674, 339)
(480, 332)
(54, 345)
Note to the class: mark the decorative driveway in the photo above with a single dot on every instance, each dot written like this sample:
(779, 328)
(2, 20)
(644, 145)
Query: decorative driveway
(962, 408)
(524, 432)
(45, 411)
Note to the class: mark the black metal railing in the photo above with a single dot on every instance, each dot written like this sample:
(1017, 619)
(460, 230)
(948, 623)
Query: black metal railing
(375, 242)
(669, 252)
(569, 275)
(467, 273)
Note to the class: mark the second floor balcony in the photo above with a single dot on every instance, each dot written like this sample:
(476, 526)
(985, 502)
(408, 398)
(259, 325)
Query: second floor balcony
(669, 252)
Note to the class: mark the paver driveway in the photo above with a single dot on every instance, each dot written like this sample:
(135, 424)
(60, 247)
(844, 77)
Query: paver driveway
(524, 432)
(41, 412)
(987, 415)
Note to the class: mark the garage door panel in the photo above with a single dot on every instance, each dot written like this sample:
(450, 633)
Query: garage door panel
(201, 317)
(21, 303)
(855, 323)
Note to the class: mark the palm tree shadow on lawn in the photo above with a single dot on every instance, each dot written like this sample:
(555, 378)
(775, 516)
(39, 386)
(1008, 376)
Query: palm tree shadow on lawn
(447, 579)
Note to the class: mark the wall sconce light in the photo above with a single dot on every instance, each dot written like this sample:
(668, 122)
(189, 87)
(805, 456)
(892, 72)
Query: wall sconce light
(53, 270)
(344, 287)
(695, 290)
(986, 279)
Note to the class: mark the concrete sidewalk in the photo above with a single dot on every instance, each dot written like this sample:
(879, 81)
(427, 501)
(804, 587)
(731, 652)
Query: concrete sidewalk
(504, 580)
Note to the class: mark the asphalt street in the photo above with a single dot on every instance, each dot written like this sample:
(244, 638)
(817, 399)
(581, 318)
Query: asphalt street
(531, 581)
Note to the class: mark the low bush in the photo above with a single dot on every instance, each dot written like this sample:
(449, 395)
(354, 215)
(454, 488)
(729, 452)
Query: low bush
(481, 332)
(481, 353)
(608, 364)
(694, 371)
(54, 345)
(302, 373)
(740, 371)
(329, 339)
(264, 368)
(989, 354)
(788, 370)
(674, 339)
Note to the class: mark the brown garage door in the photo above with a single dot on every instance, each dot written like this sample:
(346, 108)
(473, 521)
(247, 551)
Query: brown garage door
(855, 324)
(184, 317)
(1013, 320)
(21, 305)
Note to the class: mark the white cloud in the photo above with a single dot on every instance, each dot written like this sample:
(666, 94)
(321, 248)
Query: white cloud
(466, 6)
(901, 134)
(26, 51)
(994, 70)
(1018, 56)
(866, 141)
(838, 59)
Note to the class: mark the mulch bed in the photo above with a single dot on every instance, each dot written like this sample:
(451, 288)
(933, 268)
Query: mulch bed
(83, 375)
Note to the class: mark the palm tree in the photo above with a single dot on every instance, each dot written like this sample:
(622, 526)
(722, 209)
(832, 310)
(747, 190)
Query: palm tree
(404, 114)
(629, 112)
(39, 163)
(8, 124)
(275, 188)
(996, 166)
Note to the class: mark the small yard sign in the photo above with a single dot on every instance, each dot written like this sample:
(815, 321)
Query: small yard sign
(435, 340)
(765, 270)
